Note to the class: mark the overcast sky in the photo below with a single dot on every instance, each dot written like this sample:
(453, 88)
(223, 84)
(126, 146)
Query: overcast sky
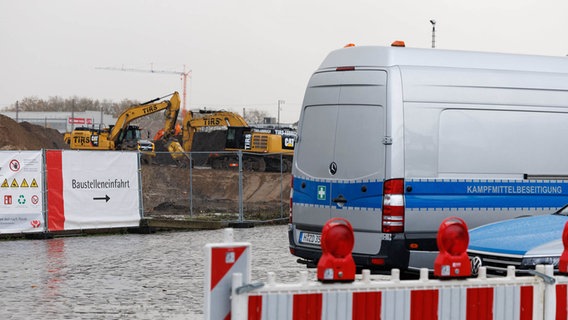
(241, 53)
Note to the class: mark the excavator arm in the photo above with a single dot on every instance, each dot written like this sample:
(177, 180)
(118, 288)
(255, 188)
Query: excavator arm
(172, 109)
(190, 124)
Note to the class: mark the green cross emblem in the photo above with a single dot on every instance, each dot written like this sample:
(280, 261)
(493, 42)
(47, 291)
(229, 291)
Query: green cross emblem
(321, 192)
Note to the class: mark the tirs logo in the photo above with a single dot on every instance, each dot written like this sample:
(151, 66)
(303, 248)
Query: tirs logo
(248, 138)
(7, 199)
(81, 140)
(213, 121)
(150, 109)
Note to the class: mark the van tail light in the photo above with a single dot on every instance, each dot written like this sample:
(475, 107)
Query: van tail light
(393, 206)
(291, 195)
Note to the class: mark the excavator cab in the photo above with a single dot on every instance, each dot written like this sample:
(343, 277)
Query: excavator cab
(129, 137)
(237, 138)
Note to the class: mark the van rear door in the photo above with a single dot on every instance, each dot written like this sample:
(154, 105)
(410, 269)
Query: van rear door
(340, 157)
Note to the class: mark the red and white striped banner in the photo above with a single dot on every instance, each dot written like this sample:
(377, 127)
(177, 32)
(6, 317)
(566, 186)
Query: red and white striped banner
(507, 302)
(92, 189)
(476, 298)
(561, 291)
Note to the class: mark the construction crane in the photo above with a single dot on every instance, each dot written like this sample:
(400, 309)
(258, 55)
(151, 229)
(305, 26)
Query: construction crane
(184, 75)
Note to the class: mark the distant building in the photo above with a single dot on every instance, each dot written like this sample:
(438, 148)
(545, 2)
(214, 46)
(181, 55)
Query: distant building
(269, 120)
(62, 121)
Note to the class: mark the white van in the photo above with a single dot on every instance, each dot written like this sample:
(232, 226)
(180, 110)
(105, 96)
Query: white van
(396, 139)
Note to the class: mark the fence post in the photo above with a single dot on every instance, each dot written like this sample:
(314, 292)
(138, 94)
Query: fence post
(281, 187)
(239, 302)
(240, 154)
(549, 293)
(190, 186)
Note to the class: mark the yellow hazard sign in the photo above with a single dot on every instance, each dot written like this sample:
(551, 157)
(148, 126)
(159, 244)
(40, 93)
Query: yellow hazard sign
(14, 184)
(24, 184)
(5, 183)
(34, 183)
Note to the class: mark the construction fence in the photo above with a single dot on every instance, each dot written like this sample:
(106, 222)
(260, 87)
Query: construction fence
(236, 190)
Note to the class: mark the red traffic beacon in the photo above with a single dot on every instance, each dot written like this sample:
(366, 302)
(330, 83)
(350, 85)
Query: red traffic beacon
(563, 263)
(453, 239)
(336, 263)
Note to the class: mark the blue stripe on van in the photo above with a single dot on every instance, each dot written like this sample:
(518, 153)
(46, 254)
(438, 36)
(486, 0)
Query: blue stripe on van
(434, 194)
(367, 194)
(431, 194)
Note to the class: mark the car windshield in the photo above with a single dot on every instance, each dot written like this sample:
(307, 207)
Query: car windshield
(563, 211)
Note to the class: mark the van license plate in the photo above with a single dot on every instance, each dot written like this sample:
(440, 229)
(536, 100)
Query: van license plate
(310, 238)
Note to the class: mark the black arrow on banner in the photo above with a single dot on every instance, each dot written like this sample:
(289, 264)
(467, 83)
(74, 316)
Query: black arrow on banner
(106, 198)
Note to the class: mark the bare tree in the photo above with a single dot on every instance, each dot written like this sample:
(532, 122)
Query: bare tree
(255, 116)
(77, 104)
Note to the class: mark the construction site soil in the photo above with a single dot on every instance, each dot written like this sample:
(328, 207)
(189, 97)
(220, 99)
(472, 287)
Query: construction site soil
(169, 190)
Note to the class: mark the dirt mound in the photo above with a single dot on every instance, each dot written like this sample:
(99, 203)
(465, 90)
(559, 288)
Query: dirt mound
(206, 142)
(172, 191)
(27, 136)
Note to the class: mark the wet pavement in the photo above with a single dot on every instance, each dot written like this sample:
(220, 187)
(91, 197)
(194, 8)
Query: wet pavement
(130, 276)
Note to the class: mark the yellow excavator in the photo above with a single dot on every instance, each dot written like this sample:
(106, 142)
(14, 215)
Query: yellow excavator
(126, 136)
(262, 149)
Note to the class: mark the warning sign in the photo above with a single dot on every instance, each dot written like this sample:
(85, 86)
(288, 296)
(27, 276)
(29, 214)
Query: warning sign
(15, 165)
(34, 183)
(21, 207)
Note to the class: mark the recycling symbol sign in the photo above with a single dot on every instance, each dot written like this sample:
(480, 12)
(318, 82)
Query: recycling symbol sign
(22, 199)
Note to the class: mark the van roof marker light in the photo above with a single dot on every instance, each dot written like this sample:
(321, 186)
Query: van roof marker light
(345, 69)
(398, 43)
(349, 45)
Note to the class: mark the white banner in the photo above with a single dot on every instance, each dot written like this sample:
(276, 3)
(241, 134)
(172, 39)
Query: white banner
(21, 192)
(100, 189)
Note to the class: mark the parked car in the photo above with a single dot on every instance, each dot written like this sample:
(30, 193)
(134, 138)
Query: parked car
(521, 242)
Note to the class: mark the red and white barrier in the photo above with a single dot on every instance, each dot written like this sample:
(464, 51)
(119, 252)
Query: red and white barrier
(449, 296)
(508, 297)
(222, 260)
(556, 299)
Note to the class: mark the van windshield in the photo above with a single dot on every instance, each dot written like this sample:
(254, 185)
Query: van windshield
(347, 136)
(343, 126)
